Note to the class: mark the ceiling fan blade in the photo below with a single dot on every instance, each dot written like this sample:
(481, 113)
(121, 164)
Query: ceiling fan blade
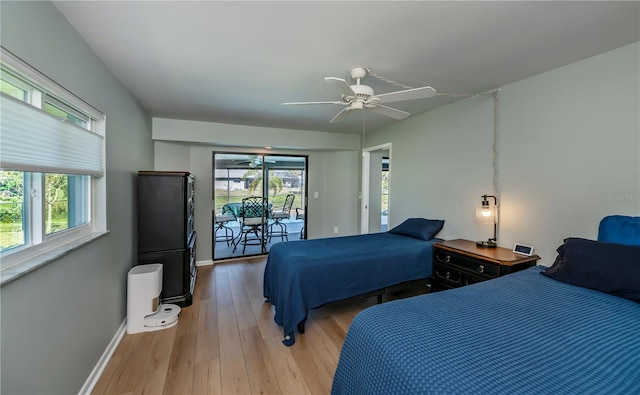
(409, 94)
(315, 102)
(341, 85)
(340, 116)
(390, 112)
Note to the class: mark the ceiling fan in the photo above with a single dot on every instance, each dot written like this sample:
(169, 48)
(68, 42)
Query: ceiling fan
(358, 96)
(254, 161)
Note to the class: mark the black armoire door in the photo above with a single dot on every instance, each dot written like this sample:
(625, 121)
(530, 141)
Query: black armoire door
(165, 231)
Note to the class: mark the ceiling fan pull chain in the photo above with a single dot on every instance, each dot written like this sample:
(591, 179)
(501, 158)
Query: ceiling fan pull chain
(398, 84)
(489, 92)
(384, 79)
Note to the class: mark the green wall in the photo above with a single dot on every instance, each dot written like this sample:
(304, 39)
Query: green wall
(58, 320)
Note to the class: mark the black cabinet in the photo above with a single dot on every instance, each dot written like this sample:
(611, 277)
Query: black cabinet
(166, 231)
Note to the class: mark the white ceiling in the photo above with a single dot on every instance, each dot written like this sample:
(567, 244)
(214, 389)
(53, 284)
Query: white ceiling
(237, 62)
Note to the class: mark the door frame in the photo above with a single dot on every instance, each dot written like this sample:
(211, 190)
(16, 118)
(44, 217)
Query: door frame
(366, 185)
(264, 169)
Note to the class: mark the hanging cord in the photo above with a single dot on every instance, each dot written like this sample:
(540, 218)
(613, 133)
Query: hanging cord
(400, 85)
(495, 156)
(493, 92)
(388, 81)
(495, 142)
(486, 93)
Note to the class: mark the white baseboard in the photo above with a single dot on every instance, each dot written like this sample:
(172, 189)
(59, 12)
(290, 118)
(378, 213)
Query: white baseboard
(104, 359)
(204, 263)
(210, 262)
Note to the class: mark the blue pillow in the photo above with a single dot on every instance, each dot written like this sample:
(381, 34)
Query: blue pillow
(607, 267)
(620, 229)
(419, 228)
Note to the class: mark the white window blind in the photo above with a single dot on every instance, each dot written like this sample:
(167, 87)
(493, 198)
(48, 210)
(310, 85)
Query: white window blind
(33, 140)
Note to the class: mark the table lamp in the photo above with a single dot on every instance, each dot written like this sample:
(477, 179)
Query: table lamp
(487, 213)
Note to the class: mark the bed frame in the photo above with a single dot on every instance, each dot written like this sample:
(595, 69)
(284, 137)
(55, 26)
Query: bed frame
(379, 293)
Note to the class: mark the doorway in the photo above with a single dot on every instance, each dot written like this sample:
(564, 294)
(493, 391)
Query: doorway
(376, 175)
(384, 194)
(278, 179)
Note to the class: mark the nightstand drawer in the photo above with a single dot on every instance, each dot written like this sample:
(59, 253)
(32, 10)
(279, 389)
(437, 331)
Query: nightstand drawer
(473, 265)
(447, 275)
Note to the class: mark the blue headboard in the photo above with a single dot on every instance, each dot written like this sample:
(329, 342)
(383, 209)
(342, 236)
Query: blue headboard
(620, 229)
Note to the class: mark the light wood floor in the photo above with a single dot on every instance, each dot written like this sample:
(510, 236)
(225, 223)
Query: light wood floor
(226, 342)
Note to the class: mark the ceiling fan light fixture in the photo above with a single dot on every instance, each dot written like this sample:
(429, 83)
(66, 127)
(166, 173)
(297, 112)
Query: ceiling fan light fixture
(362, 91)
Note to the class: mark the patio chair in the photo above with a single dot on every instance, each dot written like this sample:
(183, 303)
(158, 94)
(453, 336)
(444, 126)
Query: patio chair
(278, 216)
(300, 215)
(253, 217)
(220, 222)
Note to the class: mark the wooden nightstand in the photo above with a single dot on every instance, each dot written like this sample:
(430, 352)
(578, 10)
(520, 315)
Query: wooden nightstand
(457, 263)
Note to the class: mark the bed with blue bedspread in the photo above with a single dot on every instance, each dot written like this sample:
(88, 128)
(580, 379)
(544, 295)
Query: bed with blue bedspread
(303, 275)
(570, 328)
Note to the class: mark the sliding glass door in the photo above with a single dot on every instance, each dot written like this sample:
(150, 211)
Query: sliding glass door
(275, 185)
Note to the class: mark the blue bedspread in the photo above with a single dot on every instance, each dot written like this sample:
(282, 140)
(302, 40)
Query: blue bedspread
(520, 334)
(305, 274)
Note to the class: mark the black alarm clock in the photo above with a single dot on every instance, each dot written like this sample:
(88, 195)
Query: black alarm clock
(523, 249)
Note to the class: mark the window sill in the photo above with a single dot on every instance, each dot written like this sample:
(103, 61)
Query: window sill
(20, 269)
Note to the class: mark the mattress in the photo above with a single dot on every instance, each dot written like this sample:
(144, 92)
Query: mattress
(523, 333)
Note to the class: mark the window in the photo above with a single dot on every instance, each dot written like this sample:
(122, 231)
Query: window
(62, 111)
(51, 165)
(12, 208)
